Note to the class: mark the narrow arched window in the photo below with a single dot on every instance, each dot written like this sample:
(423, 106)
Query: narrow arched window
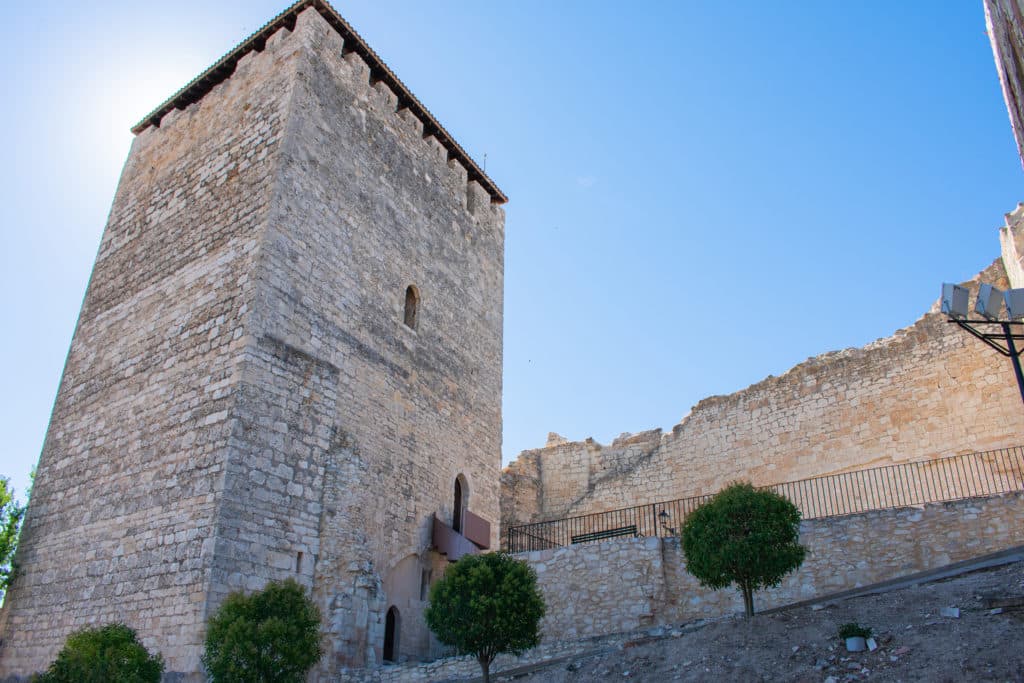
(392, 628)
(412, 306)
(459, 505)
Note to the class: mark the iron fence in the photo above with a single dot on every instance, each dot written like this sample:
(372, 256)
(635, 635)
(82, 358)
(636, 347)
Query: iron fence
(890, 486)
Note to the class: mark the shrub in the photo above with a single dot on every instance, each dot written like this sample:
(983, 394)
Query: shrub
(485, 605)
(108, 654)
(743, 536)
(271, 636)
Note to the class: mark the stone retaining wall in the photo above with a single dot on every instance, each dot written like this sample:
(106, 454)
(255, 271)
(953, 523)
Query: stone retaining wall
(598, 593)
(628, 584)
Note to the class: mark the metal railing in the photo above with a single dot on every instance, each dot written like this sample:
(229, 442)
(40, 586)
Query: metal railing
(891, 486)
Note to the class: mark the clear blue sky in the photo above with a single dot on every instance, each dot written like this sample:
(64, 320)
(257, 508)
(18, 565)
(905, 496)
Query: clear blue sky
(702, 194)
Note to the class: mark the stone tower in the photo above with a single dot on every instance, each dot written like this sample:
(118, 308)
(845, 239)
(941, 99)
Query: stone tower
(287, 364)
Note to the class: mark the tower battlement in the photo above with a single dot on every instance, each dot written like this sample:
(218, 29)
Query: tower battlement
(364, 61)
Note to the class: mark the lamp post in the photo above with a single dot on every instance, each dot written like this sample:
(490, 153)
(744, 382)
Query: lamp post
(988, 303)
(663, 517)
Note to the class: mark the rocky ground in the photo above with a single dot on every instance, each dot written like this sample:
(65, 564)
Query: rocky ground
(917, 635)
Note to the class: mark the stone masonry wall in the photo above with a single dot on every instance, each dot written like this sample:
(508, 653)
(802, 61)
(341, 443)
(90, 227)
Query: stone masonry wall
(365, 206)
(123, 516)
(930, 390)
(243, 400)
(628, 584)
(269, 511)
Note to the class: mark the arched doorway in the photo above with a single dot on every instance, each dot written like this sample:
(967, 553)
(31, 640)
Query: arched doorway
(392, 626)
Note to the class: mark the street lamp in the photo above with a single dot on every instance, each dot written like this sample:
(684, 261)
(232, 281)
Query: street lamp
(664, 517)
(990, 300)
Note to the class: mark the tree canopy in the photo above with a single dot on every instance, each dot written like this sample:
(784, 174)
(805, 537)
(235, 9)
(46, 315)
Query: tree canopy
(270, 636)
(743, 536)
(485, 605)
(11, 514)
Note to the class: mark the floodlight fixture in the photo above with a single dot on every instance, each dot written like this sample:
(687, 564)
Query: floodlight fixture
(990, 300)
(1014, 303)
(954, 301)
(1001, 335)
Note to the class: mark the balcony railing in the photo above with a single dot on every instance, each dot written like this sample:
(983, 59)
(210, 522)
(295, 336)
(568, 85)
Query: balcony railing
(914, 483)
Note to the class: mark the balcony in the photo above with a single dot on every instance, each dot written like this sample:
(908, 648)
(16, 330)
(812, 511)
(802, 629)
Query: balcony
(476, 536)
(476, 529)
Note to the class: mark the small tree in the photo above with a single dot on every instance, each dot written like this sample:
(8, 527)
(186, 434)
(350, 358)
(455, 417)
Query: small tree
(485, 605)
(108, 654)
(11, 515)
(743, 536)
(271, 636)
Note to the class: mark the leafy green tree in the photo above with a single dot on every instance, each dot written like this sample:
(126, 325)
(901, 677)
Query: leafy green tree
(108, 654)
(271, 636)
(485, 605)
(743, 536)
(11, 515)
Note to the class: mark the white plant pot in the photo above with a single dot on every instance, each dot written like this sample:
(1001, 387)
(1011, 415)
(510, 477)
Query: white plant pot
(855, 644)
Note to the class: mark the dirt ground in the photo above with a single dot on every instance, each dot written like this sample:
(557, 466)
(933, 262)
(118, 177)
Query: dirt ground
(917, 641)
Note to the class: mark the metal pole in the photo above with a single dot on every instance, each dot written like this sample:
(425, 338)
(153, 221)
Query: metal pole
(1012, 348)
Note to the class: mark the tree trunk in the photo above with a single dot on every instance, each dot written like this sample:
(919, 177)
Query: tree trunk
(485, 666)
(748, 600)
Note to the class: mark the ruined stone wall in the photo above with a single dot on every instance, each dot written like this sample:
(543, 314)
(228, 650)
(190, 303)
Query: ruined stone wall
(124, 509)
(930, 390)
(628, 584)
(1011, 239)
